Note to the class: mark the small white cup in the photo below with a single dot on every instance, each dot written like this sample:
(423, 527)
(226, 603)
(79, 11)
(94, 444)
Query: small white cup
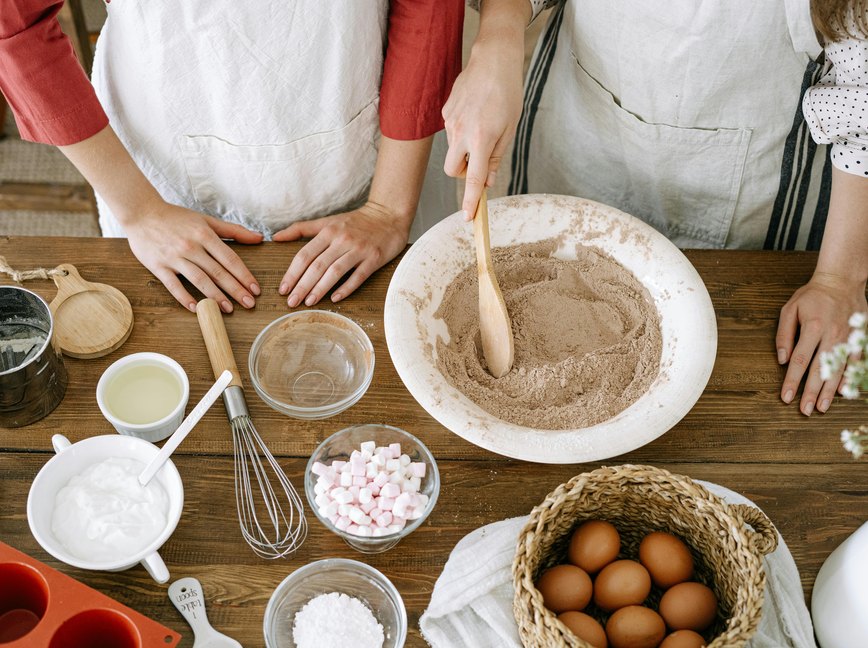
(73, 459)
(156, 430)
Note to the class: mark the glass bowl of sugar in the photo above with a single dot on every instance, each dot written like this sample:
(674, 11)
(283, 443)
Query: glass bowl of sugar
(372, 485)
(335, 602)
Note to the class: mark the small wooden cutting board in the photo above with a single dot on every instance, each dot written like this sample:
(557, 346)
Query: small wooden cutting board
(90, 319)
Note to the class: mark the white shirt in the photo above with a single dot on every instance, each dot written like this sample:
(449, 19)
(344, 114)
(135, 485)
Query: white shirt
(836, 109)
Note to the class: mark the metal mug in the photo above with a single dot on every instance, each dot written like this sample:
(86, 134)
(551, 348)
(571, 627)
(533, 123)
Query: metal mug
(32, 375)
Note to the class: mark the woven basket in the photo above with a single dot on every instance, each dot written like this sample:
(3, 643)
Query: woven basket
(727, 541)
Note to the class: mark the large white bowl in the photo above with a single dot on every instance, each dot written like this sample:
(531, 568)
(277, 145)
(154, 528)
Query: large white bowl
(687, 320)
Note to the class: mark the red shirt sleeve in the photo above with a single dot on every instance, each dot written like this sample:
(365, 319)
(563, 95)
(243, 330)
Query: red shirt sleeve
(423, 58)
(41, 78)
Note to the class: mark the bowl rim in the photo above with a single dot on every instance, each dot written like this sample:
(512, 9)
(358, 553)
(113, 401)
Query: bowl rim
(397, 535)
(329, 563)
(319, 411)
(55, 548)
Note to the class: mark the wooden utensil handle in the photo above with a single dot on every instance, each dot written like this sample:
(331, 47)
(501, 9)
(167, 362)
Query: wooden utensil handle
(481, 235)
(216, 340)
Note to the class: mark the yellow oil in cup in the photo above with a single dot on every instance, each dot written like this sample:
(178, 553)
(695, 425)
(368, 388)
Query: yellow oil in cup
(143, 393)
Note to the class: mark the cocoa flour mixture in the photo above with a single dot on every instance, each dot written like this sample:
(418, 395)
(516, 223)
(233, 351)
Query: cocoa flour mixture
(587, 338)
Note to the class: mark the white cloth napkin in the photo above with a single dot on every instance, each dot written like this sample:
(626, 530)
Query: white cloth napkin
(471, 605)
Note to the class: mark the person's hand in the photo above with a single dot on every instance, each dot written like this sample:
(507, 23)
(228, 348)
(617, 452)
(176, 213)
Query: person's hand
(818, 312)
(171, 241)
(360, 241)
(481, 116)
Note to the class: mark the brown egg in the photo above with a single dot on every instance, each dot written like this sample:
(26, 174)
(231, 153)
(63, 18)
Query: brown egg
(565, 587)
(666, 558)
(688, 606)
(621, 583)
(684, 639)
(635, 626)
(594, 545)
(585, 628)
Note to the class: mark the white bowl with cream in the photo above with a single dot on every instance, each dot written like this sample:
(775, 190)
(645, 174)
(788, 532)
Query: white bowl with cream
(687, 324)
(72, 463)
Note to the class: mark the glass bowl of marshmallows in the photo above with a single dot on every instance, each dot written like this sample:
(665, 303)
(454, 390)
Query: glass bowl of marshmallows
(335, 602)
(372, 485)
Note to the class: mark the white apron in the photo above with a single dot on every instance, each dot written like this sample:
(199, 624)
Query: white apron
(259, 113)
(685, 114)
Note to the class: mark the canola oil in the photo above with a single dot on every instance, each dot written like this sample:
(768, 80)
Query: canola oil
(143, 393)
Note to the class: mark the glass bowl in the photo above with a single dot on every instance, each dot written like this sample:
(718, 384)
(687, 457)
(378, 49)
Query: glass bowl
(311, 364)
(340, 445)
(349, 577)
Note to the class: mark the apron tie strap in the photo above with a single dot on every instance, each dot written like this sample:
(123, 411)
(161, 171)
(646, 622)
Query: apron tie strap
(23, 275)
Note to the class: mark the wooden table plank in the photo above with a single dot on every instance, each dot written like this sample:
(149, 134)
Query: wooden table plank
(739, 434)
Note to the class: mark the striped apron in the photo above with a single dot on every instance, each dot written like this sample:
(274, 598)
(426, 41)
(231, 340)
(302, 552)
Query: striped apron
(685, 114)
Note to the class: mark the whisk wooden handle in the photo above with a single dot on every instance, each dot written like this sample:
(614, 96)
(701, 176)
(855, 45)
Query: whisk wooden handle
(216, 340)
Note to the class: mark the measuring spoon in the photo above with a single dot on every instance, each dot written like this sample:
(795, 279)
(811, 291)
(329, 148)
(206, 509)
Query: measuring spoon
(187, 596)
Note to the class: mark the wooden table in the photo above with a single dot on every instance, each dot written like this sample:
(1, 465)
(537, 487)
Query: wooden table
(739, 435)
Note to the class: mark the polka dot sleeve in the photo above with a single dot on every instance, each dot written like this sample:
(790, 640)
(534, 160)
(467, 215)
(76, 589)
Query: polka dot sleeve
(836, 109)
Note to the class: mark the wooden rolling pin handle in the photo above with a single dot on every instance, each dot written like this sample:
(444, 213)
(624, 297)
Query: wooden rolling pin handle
(216, 340)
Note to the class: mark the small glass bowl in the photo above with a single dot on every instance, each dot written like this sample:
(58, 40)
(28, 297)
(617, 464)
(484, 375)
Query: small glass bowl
(349, 577)
(311, 364)
(341, 444)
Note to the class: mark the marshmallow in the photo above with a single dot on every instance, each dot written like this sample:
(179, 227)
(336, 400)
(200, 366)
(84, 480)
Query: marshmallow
(319, 469)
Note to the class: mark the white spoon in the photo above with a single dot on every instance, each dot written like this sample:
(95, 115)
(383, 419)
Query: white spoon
(184, 429)
(187, 595)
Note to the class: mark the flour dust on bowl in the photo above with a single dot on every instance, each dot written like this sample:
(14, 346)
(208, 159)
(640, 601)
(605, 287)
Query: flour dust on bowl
(335, 603)
(311, 364)
(615, 333)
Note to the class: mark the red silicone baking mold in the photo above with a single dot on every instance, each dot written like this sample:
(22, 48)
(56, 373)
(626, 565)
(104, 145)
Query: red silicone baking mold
(40, 606)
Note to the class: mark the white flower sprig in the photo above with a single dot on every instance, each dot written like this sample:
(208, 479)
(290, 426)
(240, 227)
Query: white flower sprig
(855, 442)
(853, 353)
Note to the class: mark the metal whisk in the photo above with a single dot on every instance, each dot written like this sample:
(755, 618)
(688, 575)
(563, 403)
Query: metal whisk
(260, 484)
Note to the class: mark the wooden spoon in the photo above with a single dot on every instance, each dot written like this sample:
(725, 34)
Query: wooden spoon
(494, 324)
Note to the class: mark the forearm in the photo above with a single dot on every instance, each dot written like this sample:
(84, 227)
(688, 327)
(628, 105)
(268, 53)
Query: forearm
(502, 24)
(108, 167)
(844, 252)
(398, 177)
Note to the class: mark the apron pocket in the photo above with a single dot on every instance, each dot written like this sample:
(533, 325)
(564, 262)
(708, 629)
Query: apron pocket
(684, 181)
(267, 187)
